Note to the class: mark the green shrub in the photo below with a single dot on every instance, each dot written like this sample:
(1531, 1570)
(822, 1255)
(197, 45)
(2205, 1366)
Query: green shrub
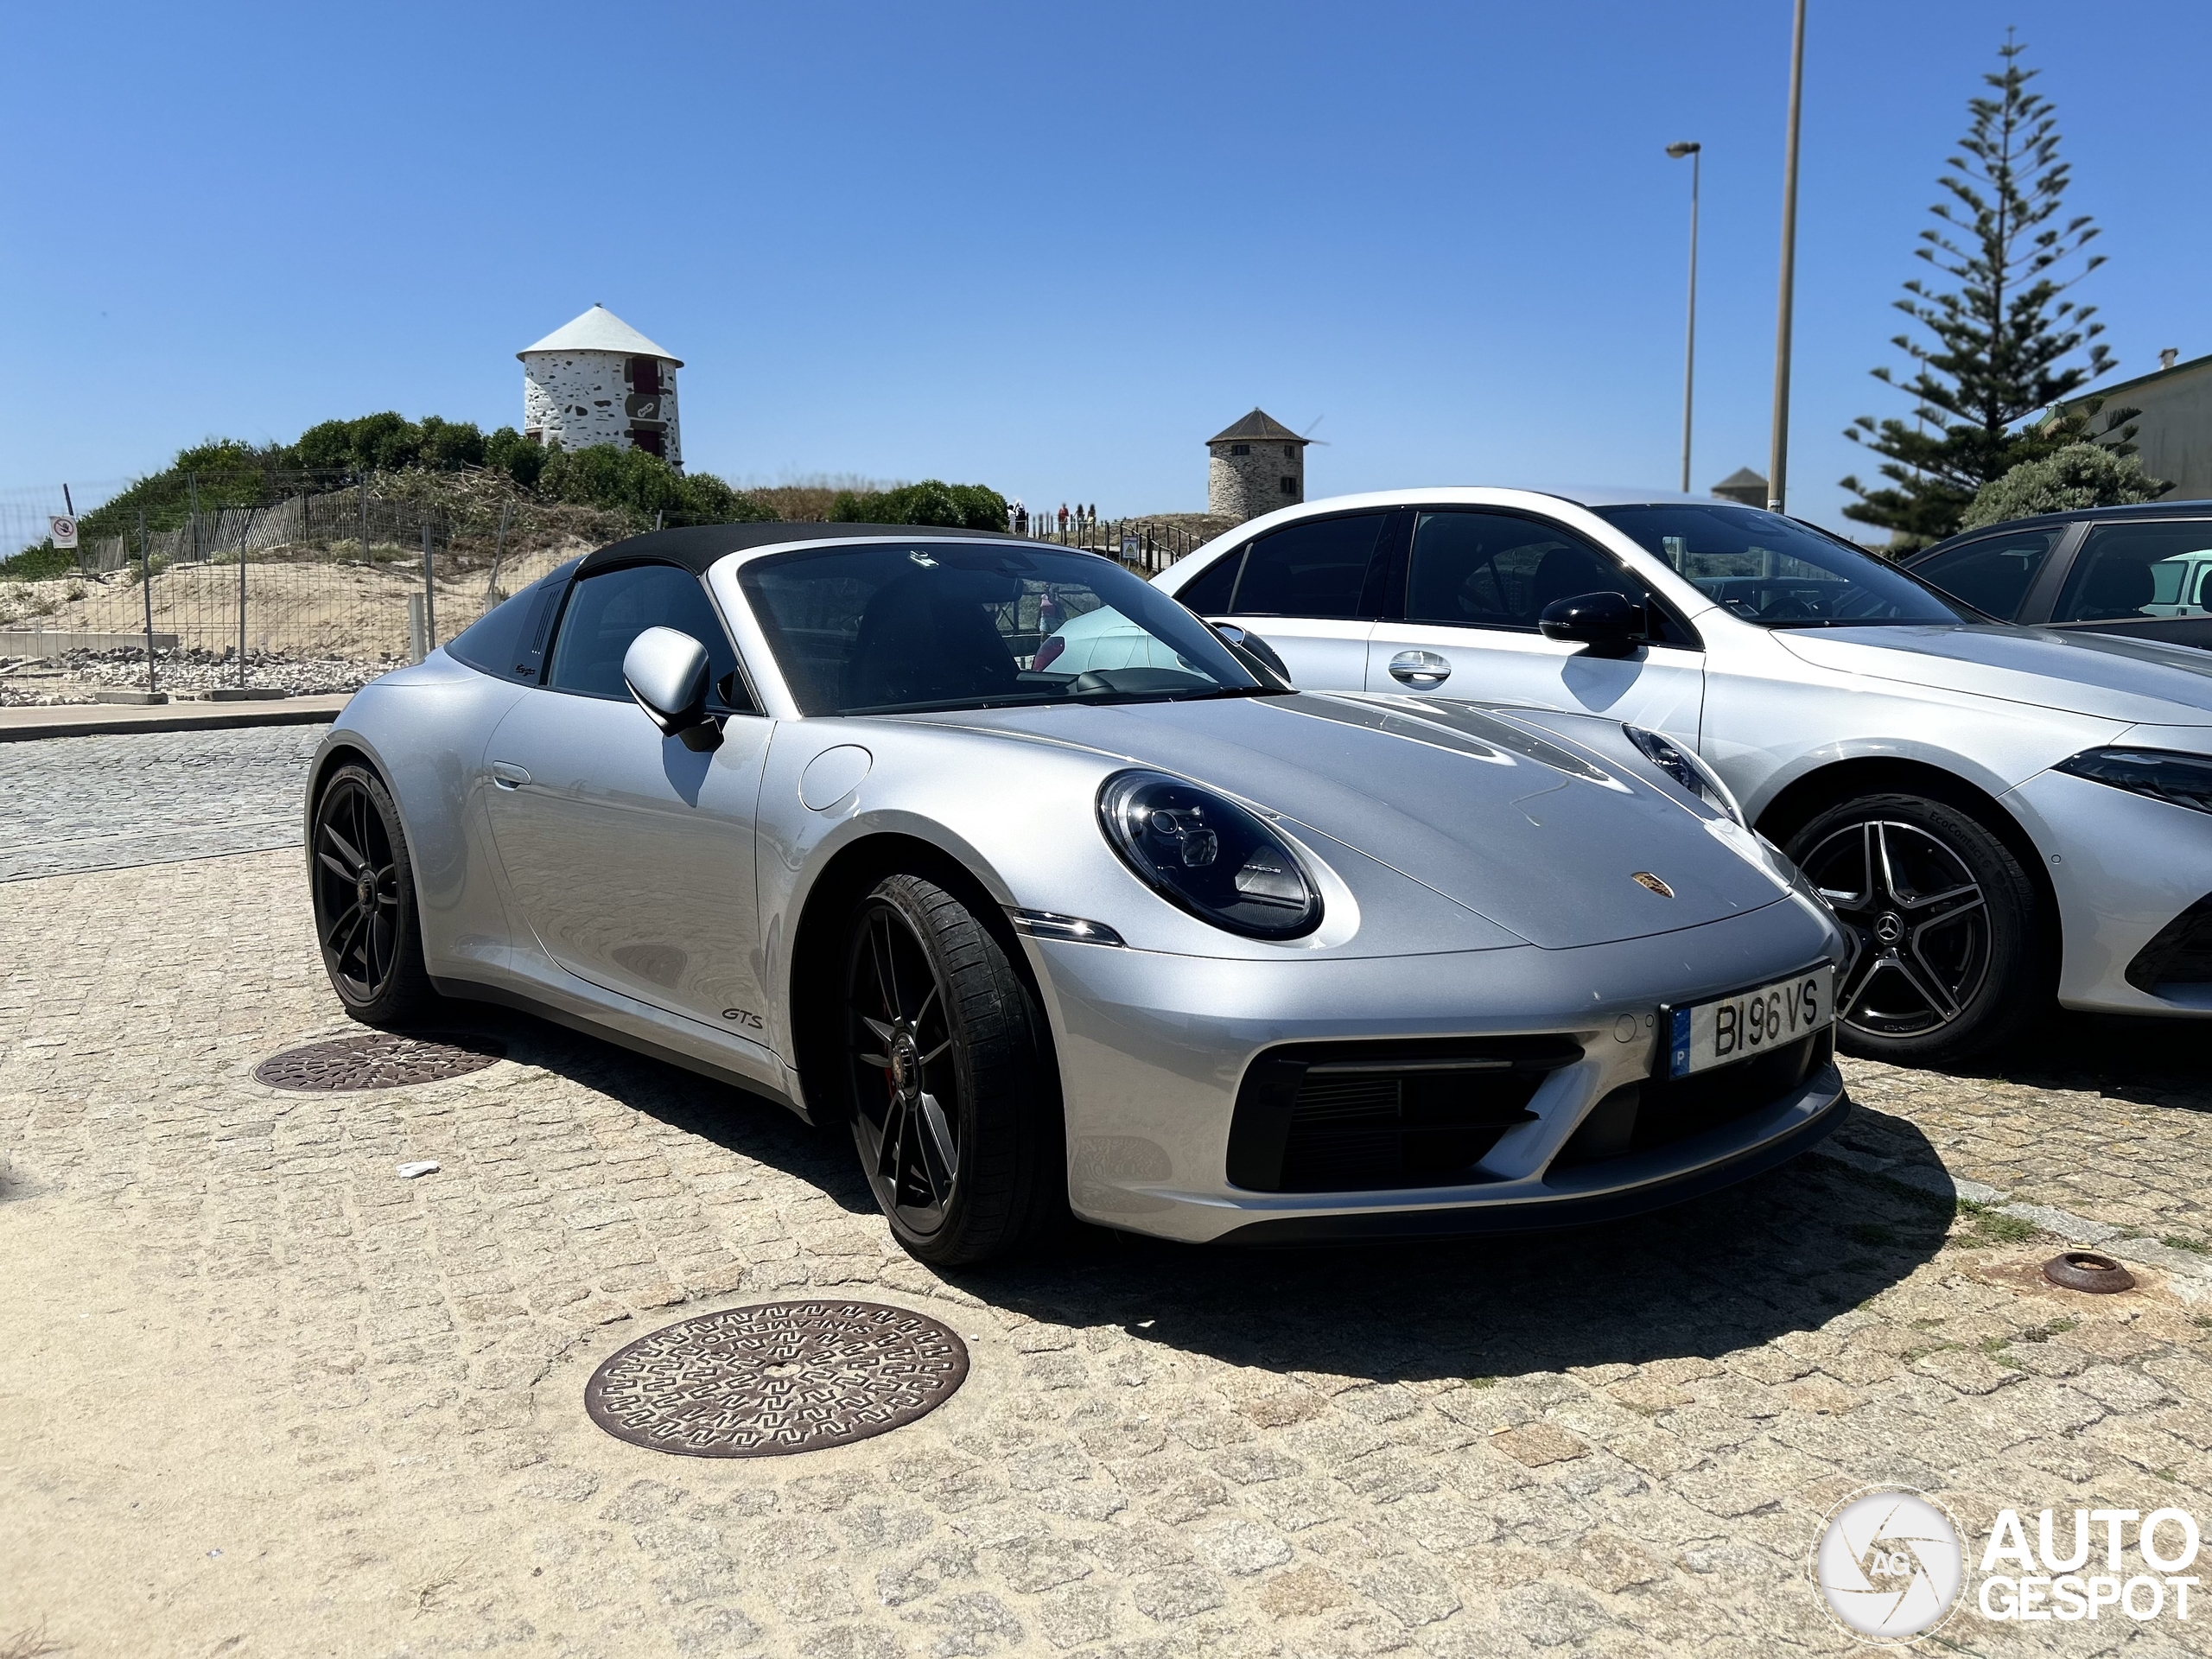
(38, 562)
(507, 451)
(932, 501)
(630, 481)
(2077, 475)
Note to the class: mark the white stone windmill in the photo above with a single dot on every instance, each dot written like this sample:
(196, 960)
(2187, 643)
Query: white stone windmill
(598, 380)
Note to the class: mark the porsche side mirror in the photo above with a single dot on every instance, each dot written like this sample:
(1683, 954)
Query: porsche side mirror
(667, 673)
(1609, 624)
(1242, 642)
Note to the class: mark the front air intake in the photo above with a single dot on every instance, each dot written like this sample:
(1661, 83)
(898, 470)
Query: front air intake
(2180, 953)
(1364, 1117)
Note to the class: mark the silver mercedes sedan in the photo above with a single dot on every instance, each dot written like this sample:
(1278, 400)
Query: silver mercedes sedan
(881, 825)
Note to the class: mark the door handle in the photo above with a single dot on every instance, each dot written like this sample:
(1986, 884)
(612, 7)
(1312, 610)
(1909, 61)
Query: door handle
(1419, 669)
(506, 775)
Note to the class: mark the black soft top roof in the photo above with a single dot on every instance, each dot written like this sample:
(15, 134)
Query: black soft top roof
(697, 546)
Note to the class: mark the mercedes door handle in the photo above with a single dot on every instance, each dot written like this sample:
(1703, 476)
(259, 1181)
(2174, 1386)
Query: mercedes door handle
(1419, 669)
(507, 775)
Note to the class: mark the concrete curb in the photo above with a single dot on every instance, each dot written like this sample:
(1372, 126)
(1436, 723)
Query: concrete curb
(105, 720)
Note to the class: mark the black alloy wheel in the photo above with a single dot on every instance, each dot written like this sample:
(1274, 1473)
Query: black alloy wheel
(364, 890)
(1950, 953)
(949, 1089)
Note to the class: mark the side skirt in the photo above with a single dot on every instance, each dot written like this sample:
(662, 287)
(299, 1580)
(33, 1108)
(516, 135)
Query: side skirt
(470, 990)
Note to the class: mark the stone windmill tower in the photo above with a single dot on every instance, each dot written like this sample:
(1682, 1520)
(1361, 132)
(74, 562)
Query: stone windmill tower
(1255, 467)
(598, 380)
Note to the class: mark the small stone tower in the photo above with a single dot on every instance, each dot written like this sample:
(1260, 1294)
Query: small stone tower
(598, 380)
(1254, 467)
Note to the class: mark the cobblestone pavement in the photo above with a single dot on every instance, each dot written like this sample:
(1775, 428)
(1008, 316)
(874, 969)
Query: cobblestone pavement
(260, 1396)
(102, 802)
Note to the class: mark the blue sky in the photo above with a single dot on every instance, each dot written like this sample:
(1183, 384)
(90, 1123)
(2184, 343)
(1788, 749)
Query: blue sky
(1048, 248)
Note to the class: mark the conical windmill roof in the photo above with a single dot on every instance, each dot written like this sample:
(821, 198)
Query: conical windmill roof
(599, 330)
(1261, 425)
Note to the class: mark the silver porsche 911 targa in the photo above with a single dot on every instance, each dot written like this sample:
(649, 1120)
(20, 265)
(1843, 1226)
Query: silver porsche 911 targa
(834, 812)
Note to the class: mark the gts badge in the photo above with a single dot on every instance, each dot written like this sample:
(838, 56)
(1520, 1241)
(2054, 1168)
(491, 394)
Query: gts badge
(743, 1017)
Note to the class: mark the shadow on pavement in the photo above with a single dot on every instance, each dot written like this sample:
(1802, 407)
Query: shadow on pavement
(1787, 1251)
(2150, 1061)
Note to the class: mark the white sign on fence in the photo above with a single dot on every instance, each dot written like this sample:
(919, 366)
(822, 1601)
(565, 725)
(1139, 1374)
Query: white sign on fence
(62, 530)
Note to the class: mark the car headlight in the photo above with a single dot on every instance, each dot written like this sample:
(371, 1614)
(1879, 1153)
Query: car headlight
(1205, 853)
(1699, 780)
(2177, 779)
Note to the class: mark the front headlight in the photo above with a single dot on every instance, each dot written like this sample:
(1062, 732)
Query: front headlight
(1699, 780)
(1205, 853)
(2177, 779)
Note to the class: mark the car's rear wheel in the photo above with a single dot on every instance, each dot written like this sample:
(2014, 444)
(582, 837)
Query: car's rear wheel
(363, 888)
(948, 1077)
(1953, 955)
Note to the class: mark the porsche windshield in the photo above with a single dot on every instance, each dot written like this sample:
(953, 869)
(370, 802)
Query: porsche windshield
(1775, 572)
(890, 627)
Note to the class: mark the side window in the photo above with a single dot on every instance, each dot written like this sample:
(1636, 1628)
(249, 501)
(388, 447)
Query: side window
(1475, 569)
(1991, 574)
(1316, 568)
(606, 611)
(2124, 571)
(494, 643)
(1211, 593)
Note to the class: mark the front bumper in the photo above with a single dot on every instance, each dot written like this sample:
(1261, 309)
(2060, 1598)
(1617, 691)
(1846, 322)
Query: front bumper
(1152, 1049)
(2123, 867)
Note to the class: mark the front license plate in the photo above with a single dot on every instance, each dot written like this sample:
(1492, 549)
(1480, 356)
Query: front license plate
(1738, 1027)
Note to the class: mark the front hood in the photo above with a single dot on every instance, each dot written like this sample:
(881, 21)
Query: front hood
(2097, 674)
(1540, 838)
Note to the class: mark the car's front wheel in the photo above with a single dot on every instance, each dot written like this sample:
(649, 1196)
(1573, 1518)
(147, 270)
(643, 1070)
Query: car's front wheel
(949, 1078)
(364, 889)
(1953, 952)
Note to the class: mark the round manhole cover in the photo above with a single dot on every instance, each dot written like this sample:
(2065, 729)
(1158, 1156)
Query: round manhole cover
(781, 1377)
(380, 1059)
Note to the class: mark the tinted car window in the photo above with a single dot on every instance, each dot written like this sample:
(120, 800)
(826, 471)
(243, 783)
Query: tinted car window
(494, 643)
(1778, 573)
(1315, 569)
(1480, 570)
(606, 611)
(2125, 571)
(1212, 593)
(1991, 574)
(921, 625)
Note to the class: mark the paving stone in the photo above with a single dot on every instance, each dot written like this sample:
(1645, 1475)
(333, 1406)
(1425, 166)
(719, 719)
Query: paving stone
(1158, 1450)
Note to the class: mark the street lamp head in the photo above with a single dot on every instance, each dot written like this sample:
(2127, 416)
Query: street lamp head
(1684, 147)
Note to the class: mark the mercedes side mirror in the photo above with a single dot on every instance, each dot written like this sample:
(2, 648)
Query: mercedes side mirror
(1609, 624)
(667, 672)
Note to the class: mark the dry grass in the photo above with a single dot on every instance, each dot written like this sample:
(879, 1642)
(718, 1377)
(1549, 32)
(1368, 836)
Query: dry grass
(28, 1644)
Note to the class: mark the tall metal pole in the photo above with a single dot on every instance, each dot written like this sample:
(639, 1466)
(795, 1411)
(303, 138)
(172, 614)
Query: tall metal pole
(1778, 469)
(1695, 152)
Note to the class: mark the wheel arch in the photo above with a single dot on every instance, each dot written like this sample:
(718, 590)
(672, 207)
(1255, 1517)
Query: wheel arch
(812, 995)
(1805, 798)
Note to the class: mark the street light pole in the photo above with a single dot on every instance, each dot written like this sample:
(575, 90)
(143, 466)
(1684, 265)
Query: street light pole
(1778, 457)
(1689, 350)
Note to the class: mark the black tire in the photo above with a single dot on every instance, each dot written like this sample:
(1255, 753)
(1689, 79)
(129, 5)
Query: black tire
(1955, 949)
(363, 883)
(942, 1041)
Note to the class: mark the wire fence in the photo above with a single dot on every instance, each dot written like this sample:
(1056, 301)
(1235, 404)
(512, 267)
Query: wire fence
(317, 582)
(354, 579)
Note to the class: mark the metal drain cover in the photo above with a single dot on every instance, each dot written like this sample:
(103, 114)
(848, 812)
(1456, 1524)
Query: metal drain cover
(380, 1059)
(778, 1378)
